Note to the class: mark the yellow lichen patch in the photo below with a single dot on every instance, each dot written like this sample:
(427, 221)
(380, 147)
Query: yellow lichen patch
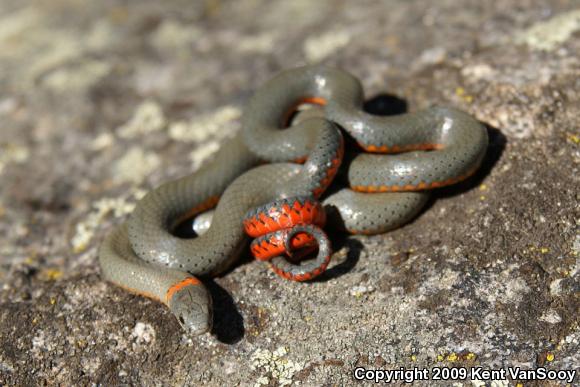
(203, 127)
(198, 156)
(119, 14)
(275, 365)
(483, 187)
(148, 117)
(48, 53)
(38, 48)
(31, 258)
(86, 229)
(82, 237)
(263, 43)
(460, 92)
(102, 141)
(573, 138)
(542, 249)
(452, 357)
(175, 37)
(51, 274)
(135, 165)
(548, 34)
(206, 130)
(457, 357)
(321, 46)
(361, 290)
(563, 272)
(12, 153)
(16, 23)
(77, 78)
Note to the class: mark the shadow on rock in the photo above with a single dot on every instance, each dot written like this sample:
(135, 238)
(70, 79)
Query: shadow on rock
(228, 323)
(385, 105)
(352, 257)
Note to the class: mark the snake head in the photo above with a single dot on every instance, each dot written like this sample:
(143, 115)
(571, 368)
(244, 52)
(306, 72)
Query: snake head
(192, 307)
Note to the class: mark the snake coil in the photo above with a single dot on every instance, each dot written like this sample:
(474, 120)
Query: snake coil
(403, 156)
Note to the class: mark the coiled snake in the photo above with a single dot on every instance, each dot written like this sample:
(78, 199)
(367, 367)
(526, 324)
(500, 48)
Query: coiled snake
(403, 156)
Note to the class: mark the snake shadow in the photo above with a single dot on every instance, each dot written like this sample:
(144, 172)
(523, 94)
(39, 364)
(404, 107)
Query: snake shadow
(228, 323)
(385, 105)
(354, 248)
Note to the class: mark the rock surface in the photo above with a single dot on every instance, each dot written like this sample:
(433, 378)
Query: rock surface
(101, 101)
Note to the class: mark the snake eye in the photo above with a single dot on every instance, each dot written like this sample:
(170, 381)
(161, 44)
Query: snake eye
(191, 306)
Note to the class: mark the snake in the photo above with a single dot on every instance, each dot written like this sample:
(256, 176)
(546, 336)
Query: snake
(272, 170)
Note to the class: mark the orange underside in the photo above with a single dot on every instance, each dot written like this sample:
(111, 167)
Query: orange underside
(409, 187)
(137, 292)
(285, 217)
(204, 206)
(331, 172)
(180, 285)
(312, 101)
(399, 149)
(301, 277)
(274, 247)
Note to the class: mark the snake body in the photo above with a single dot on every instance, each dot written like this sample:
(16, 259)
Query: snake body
(430, 148)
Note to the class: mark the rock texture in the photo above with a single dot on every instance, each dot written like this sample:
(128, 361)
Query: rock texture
(101, 101)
